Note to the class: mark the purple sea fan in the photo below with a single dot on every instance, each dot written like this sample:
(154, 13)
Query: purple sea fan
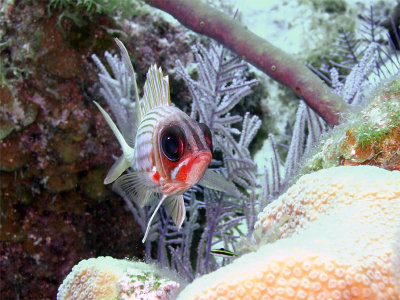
(220, 86)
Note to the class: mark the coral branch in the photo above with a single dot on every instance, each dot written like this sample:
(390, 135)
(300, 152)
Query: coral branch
(280, 66)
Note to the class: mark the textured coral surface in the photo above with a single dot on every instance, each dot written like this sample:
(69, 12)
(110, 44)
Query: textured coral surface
(336, 233)
(105, 278)
(95, 278)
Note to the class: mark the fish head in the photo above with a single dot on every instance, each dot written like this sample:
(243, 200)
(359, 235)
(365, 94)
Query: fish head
(184, 151)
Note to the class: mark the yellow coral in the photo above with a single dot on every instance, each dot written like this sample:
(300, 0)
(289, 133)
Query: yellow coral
(95, 278)
(339, 242)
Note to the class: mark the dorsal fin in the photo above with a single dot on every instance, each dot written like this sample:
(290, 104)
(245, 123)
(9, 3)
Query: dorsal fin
(156, 90)
(129, 67)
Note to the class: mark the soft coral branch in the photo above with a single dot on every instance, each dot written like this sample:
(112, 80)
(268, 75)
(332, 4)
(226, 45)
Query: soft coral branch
(280, 66)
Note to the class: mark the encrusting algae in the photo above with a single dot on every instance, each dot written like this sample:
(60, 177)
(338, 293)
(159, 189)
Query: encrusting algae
(339, 240)
(370, 138)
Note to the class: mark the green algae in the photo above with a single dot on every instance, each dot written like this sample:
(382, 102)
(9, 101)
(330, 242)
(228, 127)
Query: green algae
(330, 6)
(92, 184)
(13, 154)
(127, 8)
(6, 127)
(369, 137)
(23, 195)
(70, 153)
(60, 180)
(14, 114)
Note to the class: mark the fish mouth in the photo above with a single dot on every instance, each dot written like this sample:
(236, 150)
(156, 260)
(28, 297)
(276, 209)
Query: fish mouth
(190, 171)
(199, 165)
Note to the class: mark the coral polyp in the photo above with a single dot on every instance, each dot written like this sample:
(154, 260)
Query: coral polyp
(326, 249)
(109, 278)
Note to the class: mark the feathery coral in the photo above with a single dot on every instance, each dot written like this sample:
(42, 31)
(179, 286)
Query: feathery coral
(337, 243)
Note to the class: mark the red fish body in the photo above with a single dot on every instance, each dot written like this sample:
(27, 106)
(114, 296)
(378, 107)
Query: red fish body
(171, 152)
(167, 129)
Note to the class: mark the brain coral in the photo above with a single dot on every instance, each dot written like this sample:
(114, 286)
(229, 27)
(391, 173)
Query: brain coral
(109, 278)
(95, 278)
(338, 234)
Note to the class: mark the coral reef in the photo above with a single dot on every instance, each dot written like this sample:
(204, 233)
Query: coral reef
(370, 138)
(318, 240)
(55, 148)
(335, 233)
(109, 278)
(13, 114)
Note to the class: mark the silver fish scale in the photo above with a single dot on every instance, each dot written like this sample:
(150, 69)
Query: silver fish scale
(145, 134)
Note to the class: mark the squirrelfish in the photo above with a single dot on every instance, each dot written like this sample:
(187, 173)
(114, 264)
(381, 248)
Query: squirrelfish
(171, 151)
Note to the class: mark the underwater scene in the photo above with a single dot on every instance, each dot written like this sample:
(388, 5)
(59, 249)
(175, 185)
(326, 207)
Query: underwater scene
(205, 149)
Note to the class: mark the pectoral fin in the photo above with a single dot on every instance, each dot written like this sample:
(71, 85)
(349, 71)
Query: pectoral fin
(176, 208)
(136, 186)
(215, 181)
(119, 166)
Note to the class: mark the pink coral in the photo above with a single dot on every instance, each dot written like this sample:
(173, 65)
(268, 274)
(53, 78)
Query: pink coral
(143, 285)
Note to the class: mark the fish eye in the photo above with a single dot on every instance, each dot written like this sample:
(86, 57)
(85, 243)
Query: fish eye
(172, 143)
(207, 135)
